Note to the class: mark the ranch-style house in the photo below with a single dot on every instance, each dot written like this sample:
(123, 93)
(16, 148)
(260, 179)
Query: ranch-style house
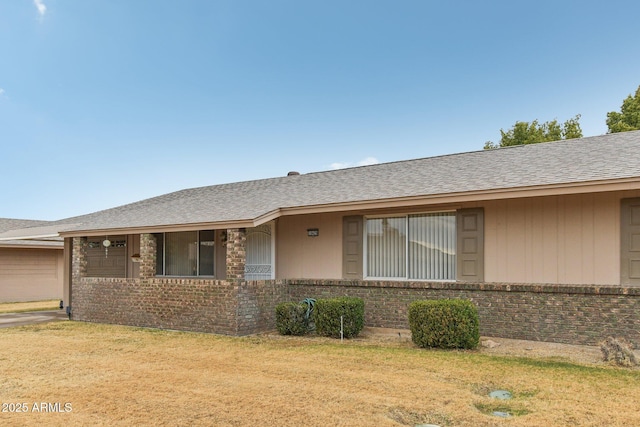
(543, 238)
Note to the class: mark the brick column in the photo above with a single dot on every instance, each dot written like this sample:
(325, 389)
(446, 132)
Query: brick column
(79, 258)
(236, 253)
(148, 256)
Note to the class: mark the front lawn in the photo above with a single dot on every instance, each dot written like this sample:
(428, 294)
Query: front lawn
(90, 374)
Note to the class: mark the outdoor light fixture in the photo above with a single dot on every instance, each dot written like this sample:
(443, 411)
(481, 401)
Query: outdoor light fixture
(106, 243)
(313, 232)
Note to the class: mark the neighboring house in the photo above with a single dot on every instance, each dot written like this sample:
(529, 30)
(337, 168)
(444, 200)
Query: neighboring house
(543, 238)
(30, 270)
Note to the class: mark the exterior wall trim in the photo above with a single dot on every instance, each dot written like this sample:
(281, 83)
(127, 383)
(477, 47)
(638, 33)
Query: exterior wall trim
(500, 287)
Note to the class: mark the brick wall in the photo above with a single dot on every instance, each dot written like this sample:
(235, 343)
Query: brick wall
(257, 301)
(236, 253)
(79, 257)
(565, 314)
(148, 256)
(181, 304)
(554, 313)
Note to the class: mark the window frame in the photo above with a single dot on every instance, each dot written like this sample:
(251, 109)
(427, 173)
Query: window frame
(161, 250)
(407, 261)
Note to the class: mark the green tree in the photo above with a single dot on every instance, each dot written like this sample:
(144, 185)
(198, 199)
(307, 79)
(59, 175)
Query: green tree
(629, 116)
(531, 133)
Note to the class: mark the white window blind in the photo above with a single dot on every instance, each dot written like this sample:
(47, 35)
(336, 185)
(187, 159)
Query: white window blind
(419, 247)
(386, 247)
(432, 246)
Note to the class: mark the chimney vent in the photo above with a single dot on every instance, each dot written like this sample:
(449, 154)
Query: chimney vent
(293, 173)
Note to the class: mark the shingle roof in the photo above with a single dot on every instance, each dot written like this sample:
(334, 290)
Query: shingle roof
(12, 224)
(7, 224)
(599, 158)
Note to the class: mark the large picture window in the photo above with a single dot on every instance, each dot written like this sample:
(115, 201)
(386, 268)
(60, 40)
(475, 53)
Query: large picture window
(417, 247)
(189, 253)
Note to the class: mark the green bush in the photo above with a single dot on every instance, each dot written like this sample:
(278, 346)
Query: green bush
(292, 319)
(328, 312)
(446, 323)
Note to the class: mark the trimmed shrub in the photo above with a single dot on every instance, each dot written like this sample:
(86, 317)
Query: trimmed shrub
(445, 323)
(292, 319)
(328, 312)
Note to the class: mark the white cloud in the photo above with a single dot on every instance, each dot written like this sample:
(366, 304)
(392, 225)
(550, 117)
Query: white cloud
(368, 161)
(339, 165)
(1, 91)
(364, 162)
(42, 8)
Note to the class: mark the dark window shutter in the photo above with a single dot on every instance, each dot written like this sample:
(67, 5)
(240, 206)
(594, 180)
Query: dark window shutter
(352, 247)
(470, 245)
(630, 242)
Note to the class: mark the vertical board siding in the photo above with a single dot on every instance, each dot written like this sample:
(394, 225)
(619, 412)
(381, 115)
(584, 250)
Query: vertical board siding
(28, 263)
(571, 239)
(606, 224)
(547, 231)
(30, 274)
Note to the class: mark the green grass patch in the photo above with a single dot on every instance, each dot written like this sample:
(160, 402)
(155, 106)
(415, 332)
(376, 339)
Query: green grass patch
(512, 409)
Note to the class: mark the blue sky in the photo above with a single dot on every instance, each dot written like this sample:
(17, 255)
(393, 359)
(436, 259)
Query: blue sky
(106, 102)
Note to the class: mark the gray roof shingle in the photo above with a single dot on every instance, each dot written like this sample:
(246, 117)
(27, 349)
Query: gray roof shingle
(592, 159)
(8, 224)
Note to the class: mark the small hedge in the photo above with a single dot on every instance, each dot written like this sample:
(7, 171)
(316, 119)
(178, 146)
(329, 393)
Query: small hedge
(446, 323)
(291, 318)
(328, 312)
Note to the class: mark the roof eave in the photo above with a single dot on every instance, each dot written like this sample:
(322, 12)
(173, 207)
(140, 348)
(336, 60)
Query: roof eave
(419, 200)
(471, 196)
(166, 228)
(9, 244)
(30, 237)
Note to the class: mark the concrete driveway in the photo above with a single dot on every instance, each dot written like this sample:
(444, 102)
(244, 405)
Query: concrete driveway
(8, 320)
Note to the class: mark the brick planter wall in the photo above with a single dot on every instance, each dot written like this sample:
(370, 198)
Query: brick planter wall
(257, 302)
(554, 313)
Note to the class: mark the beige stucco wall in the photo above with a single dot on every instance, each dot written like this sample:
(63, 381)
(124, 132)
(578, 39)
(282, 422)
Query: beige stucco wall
(557, 239)
(31, 274)
(300, 256)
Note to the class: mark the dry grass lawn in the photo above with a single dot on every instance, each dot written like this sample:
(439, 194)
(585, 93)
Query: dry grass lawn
(17, 307)
(123, 376)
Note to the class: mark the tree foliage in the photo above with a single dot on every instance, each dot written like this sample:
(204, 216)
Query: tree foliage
(532, 133)
(629, 116)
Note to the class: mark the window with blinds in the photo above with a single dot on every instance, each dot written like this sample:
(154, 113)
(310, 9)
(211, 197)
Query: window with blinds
(189, 253)
(416, 247)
